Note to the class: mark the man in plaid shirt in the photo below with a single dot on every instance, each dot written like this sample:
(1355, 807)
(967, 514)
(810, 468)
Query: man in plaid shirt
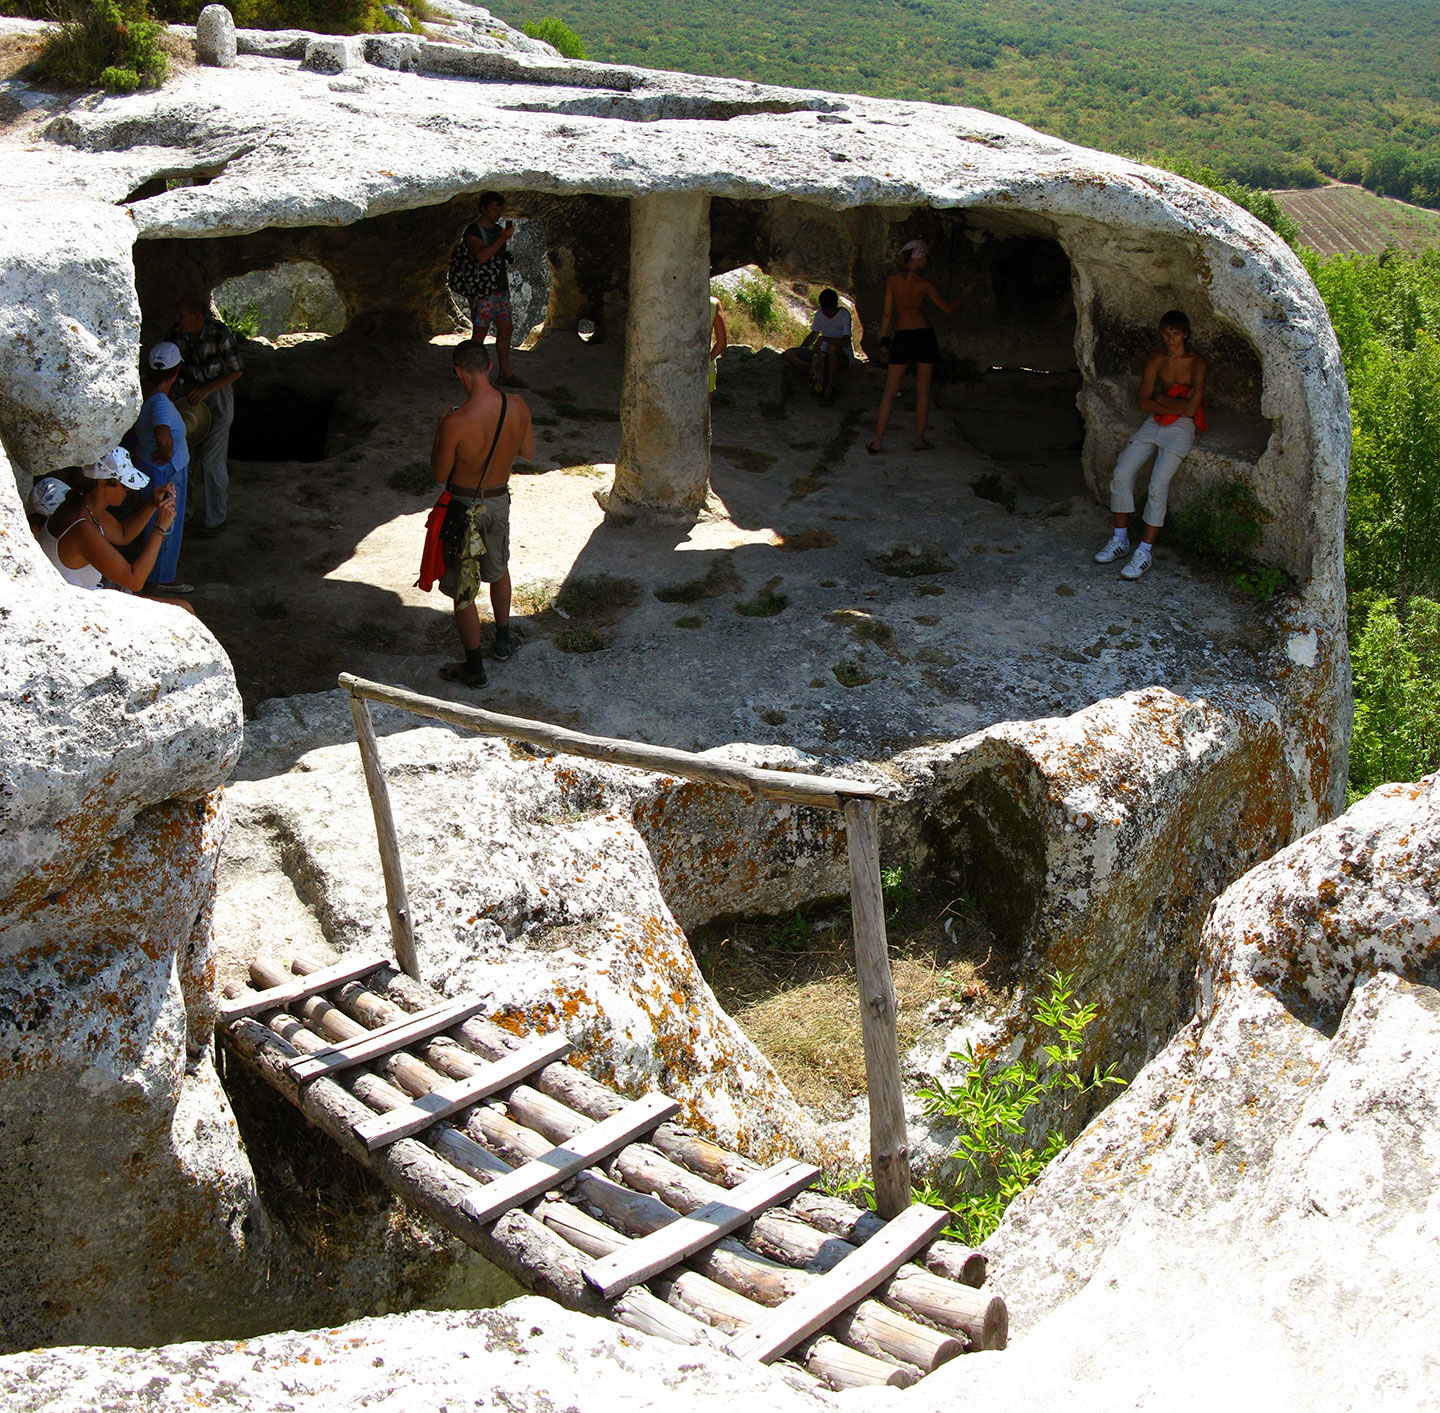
(209, 364)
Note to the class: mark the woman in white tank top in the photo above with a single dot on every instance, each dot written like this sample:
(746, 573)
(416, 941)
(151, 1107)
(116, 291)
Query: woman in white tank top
(80, 539)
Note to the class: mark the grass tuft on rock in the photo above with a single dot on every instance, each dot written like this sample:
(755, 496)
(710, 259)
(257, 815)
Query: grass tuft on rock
(596, 596)
(764, 603)
(719, 579)
(416, 479)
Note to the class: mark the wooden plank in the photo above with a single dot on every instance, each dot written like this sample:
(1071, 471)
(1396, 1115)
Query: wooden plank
(552, 1168)
(826, 792)
(448, 1099)
(278, 997)
(701, 1228)
(386, 1039)
(840, 1287)
(397, 903)
(889, 1145)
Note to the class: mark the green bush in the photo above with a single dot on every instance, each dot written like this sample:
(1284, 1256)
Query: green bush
(558, 34)
(110, 44)
(1396, 662)
(999, 1108)
(755, 294)
(1224, 523)
(245, 324)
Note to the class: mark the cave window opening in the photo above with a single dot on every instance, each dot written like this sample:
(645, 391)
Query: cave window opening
(765, 311)
(293, 297)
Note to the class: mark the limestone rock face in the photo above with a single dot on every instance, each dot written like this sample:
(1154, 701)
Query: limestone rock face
(69, 330)
(529, 884)
(118, 722)
(531, 1356)
(215, 37)
(1093, 844)
(1268, 1184)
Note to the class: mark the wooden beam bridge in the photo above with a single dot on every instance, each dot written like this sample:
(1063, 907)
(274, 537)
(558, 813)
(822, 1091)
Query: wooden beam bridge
(600, 1202)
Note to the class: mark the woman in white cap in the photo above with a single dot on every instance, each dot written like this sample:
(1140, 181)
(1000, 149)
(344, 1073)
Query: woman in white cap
(161, 454)
(81, 539)
(46, 496)
(914, 342)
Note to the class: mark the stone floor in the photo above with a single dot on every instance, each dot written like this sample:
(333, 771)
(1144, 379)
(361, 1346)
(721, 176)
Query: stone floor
(1008, 617)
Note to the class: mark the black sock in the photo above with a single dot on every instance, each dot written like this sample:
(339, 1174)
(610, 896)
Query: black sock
(475, 659)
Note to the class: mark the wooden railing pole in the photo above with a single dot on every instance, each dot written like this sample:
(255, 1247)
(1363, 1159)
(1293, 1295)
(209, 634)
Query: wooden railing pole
(889, 1146)
(397, 905)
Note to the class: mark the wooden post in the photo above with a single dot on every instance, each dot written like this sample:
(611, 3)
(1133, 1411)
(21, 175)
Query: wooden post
(397, 905)
(889, 1148)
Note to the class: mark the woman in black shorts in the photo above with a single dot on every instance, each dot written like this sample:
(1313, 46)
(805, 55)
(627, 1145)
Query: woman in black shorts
(905, 295)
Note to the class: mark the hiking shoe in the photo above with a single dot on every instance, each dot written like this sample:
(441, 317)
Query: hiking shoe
(1140, 561)
(175, 588)
(506, 643)
(464, 674)
(1117, 548)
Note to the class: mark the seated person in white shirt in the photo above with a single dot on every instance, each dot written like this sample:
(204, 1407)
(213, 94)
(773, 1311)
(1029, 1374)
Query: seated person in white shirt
(827, 348)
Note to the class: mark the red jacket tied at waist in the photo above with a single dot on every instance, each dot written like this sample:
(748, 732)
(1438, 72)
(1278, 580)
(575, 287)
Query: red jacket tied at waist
(432, 557)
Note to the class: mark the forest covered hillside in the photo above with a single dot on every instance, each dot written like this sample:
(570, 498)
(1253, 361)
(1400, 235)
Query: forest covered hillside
(1277, 93)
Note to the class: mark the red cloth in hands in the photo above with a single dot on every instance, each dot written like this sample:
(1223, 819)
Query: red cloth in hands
(1181, 390)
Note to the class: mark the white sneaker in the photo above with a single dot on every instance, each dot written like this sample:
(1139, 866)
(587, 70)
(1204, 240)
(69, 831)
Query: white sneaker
(1139, 562)
(1117, 548)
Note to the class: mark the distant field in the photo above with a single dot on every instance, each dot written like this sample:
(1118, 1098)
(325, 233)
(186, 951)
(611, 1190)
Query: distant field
(1336, 219)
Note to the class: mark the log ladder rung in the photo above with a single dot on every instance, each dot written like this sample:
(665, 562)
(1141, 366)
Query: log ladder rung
(276, 998)
(385, 1039)
(840, 1287)
(703, 1227)
(573, 1156)
(382, 1129)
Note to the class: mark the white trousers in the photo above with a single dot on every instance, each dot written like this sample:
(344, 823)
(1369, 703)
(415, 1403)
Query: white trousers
(1170, 444)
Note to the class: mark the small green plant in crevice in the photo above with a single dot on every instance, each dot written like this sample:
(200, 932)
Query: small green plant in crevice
(849, 673)
(719, 578)
(993, 487)
(764, 603)
(416, 479)
(903, 562)
(579, 640)
(109, 44)
(772, 716)
(245, 324)
(792, 934)
(897, 889)
(596, 596)
(690, 620)
(997, 1106)
(1224, 523)
(558, 35)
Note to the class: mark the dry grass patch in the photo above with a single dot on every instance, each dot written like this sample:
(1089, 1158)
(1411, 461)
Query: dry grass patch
(790, 985)
(718, 579)
(745, 458)
(805, 540)
(765, 602)
(596, 596)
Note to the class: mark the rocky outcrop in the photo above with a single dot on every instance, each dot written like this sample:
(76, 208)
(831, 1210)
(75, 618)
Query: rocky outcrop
(530, 1357)
(1267, 1185)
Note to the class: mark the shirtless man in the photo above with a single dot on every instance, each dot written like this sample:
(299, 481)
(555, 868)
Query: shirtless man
(474, 447)
(1172, 390)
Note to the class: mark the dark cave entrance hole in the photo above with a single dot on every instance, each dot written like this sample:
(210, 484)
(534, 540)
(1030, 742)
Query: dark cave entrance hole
(280, 424)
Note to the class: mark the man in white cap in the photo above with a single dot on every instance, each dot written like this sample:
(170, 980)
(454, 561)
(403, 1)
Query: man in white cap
(162, 454)
(209, 365)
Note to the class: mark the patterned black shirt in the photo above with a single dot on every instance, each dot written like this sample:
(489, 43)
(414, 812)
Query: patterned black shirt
(206, 355)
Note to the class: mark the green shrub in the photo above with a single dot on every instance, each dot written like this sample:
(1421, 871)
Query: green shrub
(110, 44)
(245, 324)
(997, 1107)
(755, 294)
(559, 35)
(1396, 661)
(1224, 523)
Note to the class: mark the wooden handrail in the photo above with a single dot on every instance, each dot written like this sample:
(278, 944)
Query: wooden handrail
(889, 1148)
(786, 787)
